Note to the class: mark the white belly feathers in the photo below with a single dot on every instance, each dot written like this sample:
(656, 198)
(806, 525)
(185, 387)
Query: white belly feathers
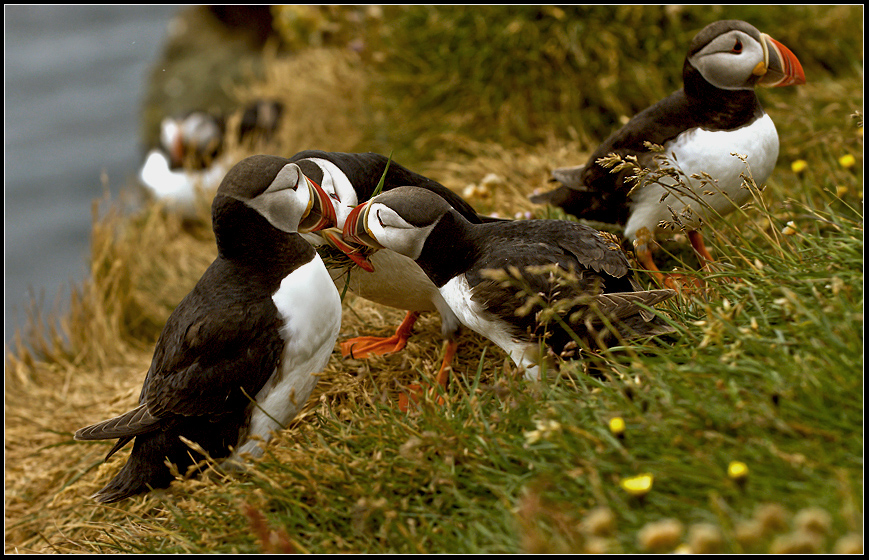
(311, 311)
(457, 294)
(703, 152)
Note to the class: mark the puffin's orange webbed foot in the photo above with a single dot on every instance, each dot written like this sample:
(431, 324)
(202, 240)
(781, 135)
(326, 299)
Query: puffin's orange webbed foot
(365, 346)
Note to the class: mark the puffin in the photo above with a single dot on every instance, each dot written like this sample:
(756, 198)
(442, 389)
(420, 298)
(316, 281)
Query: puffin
(502, 278)
(703, 128)
(191, 156)
(385, 277)
(240, 355)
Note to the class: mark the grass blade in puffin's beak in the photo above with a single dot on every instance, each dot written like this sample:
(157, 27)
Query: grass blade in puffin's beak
(322, 213)
(355, 253)
(783, 68)
(379, 188)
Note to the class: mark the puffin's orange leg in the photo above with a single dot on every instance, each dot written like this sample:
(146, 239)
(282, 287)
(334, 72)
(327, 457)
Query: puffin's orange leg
(364, 346)
(443, 376)
(696, 239)
(678, 282)
(705, 257)
(645, 258)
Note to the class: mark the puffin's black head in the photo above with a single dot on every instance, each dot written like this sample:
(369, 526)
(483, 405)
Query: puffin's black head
(400, 219)
(263, 196)
(733, 55)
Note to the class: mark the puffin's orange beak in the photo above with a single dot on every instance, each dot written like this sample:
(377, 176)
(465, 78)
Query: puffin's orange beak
(355, 241)
(176, 152)
(355, 230)
(322, 212)
(782, 66)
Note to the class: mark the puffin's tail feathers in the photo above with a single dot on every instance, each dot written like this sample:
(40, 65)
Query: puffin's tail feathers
(632, 320)
(580, 203)
(146, 468)
(124, 427)
(571, 185)
(135, 422)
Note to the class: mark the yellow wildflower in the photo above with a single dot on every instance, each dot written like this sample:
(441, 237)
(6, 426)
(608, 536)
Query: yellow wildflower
(847, 161)
(799, 166)
(637, 485)
(617, 426)
(737, 470)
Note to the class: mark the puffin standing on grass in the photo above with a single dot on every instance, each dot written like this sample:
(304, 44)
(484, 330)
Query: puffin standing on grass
(239, 356)
(388, 278)
(701, 127)
(499, 278)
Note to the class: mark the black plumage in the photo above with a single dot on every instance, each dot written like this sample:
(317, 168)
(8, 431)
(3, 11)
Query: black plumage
(364, 171)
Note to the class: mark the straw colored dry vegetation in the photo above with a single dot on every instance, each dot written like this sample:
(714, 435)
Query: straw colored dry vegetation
(765, 370)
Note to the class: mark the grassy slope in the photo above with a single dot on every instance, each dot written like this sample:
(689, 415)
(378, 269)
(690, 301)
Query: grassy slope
(767, 370)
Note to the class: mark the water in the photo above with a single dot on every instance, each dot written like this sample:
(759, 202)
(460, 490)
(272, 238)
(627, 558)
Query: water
(75, 79)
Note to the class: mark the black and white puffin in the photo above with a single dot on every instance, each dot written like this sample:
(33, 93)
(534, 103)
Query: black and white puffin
(701, 126)
(459, 257)
(191, 155)
(238, 357)
(389, 278)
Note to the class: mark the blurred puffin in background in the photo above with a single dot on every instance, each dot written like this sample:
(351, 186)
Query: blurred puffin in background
(191, 154)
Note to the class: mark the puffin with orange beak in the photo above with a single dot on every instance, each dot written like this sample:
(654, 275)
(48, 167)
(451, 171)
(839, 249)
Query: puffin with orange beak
(701, 128)
(242, 352)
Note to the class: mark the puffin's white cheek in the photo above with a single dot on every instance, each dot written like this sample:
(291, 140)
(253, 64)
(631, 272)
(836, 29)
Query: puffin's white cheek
(406, 242)
(726, 70)
(283, 209)
(341, 212)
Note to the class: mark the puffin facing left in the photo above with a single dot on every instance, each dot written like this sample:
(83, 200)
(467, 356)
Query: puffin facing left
(238, 357)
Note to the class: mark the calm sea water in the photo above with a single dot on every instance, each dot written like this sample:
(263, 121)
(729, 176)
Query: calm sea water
(74, 84)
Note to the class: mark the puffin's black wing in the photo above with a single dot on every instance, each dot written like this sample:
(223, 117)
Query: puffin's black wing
(210, 352)
(599, 280)
(207, 357)
(570, 245)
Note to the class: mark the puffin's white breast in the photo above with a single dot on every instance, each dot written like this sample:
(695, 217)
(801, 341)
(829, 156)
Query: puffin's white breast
(457, 293)
(310, 309)
(699, 152)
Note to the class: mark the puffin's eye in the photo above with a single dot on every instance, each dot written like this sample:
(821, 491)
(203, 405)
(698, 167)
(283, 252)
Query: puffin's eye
(737, 48)
(334, 196)
(379, 221)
